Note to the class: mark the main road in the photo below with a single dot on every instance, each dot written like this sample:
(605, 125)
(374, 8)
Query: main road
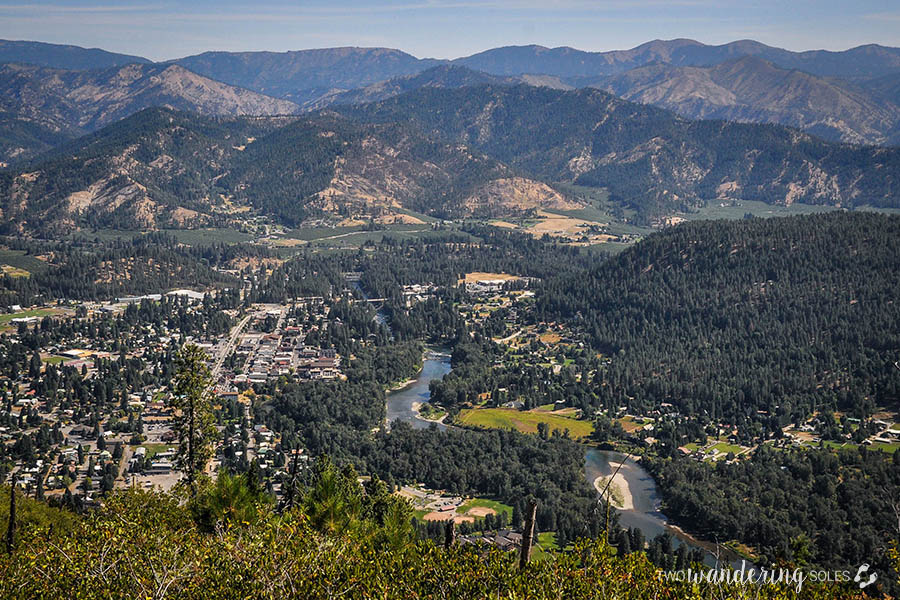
(229, 345)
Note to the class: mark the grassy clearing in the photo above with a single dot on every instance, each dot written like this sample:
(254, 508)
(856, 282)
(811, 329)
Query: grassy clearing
(353, 237)
(497, 507)
(53, 360)
(194, 237)
(754, 207)
(14, 271)
(629, 424)
(154, 449)
(191, 237)
(18, 262)
(544, 546)
(524, 421)
(830, 444)
(888, 448)
(38, 312)
(726, 448)
(310, 234)
(417, 215)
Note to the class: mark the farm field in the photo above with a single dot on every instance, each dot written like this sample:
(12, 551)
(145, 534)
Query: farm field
(524, 421)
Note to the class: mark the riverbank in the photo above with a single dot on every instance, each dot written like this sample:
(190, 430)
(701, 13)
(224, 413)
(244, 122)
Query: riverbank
(417, 408)
(721, 552)
(619, 489)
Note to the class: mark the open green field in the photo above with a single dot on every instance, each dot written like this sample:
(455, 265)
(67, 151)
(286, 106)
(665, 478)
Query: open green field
(154, 449)
(309, 234)
(738, 209)
(888, 448)
(497, 507)
(523, 421)
(544, 545)
(191, 237)
(37, 312)
(726, 448)
(18, 260)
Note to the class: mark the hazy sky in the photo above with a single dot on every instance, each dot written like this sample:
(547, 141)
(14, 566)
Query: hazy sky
(444, 28)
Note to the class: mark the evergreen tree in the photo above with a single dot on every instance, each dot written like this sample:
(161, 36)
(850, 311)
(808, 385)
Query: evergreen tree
(194, 421)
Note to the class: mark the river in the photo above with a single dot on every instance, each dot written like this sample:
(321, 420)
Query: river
(401, 403)
(645, 515)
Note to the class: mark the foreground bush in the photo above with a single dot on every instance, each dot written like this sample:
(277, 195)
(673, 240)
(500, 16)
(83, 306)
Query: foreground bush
(148, 546)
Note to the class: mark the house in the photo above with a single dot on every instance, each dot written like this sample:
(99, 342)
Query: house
(191, 295)
(160, 467)
(24, 320)
(229, 395)
(138, 299)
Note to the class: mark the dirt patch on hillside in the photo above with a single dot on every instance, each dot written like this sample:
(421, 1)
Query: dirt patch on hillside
(516, 195)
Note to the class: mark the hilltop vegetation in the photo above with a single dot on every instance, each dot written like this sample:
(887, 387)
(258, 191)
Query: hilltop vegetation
(801, 505)
(342, 541)
(758, 322)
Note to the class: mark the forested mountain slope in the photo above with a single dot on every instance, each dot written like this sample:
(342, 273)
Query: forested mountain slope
(649, 158)
(757, 323)
(60, 56)
(165, 168)
(798, 505)
(304, 75)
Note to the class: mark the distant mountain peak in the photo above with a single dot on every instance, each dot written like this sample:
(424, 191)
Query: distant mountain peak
(62, 56)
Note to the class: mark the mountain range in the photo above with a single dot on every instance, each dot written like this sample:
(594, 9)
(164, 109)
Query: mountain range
(67, 104)
(161, 168)
(751, 89)
(96, 138)
(477, 151)
(851, 96)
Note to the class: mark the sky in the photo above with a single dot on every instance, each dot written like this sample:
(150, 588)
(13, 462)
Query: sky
(443, 28)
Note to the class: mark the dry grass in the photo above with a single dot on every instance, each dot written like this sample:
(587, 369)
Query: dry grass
(481, 276)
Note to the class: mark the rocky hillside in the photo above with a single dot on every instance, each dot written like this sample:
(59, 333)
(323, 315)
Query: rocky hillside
(648, 158)
(165, 168)
(75, 102)
(750, 89)
(21, 138)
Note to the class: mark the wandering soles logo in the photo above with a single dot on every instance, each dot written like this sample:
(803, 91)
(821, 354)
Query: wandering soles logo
(795, 578)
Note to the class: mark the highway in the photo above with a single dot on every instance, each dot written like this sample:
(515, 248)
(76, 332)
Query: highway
(228, 348)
